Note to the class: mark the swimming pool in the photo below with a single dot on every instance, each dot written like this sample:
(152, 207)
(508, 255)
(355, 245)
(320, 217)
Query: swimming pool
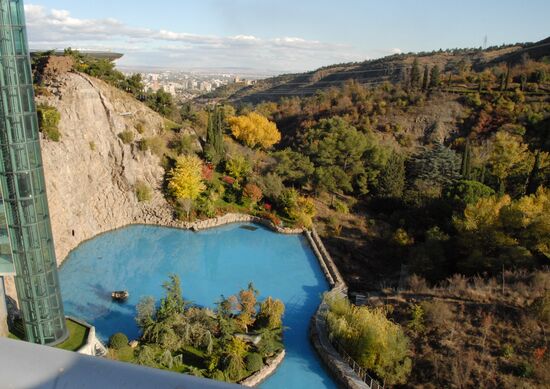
(210, 263)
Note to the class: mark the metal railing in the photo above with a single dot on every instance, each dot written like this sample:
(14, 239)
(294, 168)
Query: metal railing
(361, 372)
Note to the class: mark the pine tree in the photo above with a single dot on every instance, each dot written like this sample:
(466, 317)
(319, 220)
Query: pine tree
(425, 78)
(434, 77)
(391, 181)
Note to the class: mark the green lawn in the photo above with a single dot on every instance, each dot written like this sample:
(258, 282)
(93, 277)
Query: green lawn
(77, 336)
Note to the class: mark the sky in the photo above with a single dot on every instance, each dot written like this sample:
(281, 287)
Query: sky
(277, 35)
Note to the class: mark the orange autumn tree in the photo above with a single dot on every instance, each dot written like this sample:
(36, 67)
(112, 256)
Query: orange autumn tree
(254, 130)
(247, 299)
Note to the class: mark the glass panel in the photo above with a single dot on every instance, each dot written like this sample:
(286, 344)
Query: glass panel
(19, 40)
(16, 14)
(26, 98)
(24, 184)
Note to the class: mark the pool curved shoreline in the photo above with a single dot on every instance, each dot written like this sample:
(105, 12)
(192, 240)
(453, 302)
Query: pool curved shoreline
(327, 265)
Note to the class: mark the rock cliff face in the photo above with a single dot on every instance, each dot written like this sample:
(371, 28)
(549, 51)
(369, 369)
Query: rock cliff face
(90, 172)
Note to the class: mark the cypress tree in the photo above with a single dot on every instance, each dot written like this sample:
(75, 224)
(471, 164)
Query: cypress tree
(415, 74)
(434, 77)
(425, 78)
(466, 166)
(215, 148)
(507, 80)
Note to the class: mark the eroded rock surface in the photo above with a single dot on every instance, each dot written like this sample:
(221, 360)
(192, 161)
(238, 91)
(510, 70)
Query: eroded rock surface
(90, 172)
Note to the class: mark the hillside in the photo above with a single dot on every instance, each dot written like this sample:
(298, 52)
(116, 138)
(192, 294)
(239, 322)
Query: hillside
(374, 72)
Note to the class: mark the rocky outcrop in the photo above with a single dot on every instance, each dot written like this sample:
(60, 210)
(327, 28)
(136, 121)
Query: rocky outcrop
(90, 172)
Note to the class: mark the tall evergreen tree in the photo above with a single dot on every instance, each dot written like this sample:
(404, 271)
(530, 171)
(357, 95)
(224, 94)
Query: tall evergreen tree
(425, 78)
(415, 74)
(391, 181)
(215, 148)
(434, 77)
(466, 166)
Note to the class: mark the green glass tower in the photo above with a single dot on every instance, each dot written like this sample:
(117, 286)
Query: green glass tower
(23, 186)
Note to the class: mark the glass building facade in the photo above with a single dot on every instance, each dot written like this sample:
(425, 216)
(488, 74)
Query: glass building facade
(23, 186)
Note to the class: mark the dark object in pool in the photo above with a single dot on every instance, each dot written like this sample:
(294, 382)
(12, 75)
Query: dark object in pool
(120, 295)
(249, 228)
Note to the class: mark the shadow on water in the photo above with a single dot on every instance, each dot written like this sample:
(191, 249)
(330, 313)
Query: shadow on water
(100, 292)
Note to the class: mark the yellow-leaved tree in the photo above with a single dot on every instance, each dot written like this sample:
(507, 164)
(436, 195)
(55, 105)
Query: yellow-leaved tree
(185, 181)
(254, 130)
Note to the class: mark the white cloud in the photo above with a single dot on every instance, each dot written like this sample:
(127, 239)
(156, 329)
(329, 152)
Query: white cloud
(55, 29)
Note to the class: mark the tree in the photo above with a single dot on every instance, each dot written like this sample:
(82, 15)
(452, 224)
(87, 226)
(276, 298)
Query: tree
(508, 155)
(173, 302)
(247, 306)
(215, 148)
(254, 130)
(293, 167)
(435, 167)
(145, 313)
(392, 177)
(435, 74)
(161, 102)
(185, 179)
(238, 167)
(271, 313)
(336, 149)
(497, 232)
(415, 74)
(467, 191)
(425, 78)
(235, 351)
(466, 166)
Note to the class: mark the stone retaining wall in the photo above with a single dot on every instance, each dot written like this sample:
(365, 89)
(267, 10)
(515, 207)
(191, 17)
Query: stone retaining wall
(265, 371)
(318, 333)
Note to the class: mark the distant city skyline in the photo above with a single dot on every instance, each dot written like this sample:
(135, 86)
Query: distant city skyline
(277, 36)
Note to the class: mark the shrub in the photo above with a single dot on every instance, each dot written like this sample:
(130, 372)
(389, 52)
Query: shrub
(126, 136)
(437, 313)
(48, 121)
(143, 191)
(254, 362)
(270, 184)
(92, 145)
(525, 370)
(271, 217)
(541, 307)
(252, 192)
(218, 375)
(238, 167)
(418, 284)
(140, 127)
(507, 351)
(341, 207)
(373, 341)
(118, 340)
(416, 324)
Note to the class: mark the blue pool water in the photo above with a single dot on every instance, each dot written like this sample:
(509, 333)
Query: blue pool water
(210, 263)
